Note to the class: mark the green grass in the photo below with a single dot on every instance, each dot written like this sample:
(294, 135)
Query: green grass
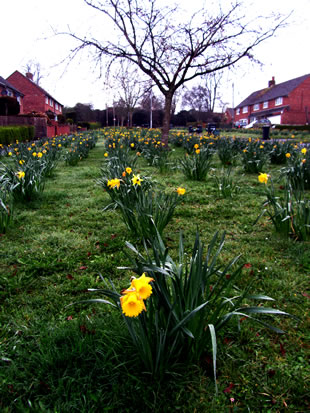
(58, 357)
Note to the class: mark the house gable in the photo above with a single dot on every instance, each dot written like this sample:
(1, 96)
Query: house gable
(7, 89)
(287, 102)
(36, 98)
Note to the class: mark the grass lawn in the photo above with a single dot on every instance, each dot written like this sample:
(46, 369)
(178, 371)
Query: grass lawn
(58, 354)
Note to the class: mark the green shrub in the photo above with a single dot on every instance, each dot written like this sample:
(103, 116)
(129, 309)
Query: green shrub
(94, 125)
(293, 127)
(10, 134)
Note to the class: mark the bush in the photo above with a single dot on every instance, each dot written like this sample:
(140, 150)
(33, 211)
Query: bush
(10, 134)
(94, 125)
(293, 127)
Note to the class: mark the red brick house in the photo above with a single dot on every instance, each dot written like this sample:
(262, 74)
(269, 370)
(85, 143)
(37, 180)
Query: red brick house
(7, 89)
(286, 103)
(36, 99)
(229, 116)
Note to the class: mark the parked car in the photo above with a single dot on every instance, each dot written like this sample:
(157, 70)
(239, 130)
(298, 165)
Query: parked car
(258, 123)
(241, 123)
(192, 129)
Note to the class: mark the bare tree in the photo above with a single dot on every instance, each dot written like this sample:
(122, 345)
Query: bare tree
(35, 69)
(197, 99)
(121, 111)
(156, 104)
(173, 51)
(203, 97)
(127, 81)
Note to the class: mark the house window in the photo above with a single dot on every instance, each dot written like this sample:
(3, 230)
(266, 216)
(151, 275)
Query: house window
(256, 106)
(51, 102)
(56, 106)
(10, 93)
(59, 108)
(265, 104)
(279, 101)
(238, 111)
(46, 100)
(245, 109)
(18, 99)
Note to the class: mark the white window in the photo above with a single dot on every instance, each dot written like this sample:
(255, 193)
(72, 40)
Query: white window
(265, 104)
(238, 111)
(256, 106)
(56, 106)
(10, 93)
(51, 102)
(245, 109)
(18, 99)
(59, 108)
(46, 100)
(279, 101)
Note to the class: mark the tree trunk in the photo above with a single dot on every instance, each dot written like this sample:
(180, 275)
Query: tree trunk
(130, 119)
(167, 117)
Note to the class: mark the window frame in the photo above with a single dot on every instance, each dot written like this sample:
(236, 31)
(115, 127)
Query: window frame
(278, 101)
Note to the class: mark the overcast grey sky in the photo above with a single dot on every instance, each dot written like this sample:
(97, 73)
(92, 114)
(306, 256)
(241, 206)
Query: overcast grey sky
(26, 33)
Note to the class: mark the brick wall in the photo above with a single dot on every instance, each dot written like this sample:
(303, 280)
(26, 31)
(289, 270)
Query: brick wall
(34, 99)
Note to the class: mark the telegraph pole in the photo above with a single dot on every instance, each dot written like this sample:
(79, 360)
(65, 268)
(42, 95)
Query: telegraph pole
(151, 108)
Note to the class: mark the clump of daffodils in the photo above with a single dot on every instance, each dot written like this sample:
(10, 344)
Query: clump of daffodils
(132, 301)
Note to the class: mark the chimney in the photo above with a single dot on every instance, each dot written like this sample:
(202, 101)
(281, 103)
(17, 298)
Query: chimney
(271, 82)
(29, 76)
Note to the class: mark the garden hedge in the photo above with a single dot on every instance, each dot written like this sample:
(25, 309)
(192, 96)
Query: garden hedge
(10, 134)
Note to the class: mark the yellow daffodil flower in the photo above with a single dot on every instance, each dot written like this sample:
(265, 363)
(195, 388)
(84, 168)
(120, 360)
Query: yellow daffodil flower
(136, 180)
(142, 286)
(263, 178)
(114, 183)
(181, 191)
(132, 305)
(20, 174)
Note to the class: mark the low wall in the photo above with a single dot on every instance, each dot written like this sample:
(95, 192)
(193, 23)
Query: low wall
(42, 130)
(55, 130)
